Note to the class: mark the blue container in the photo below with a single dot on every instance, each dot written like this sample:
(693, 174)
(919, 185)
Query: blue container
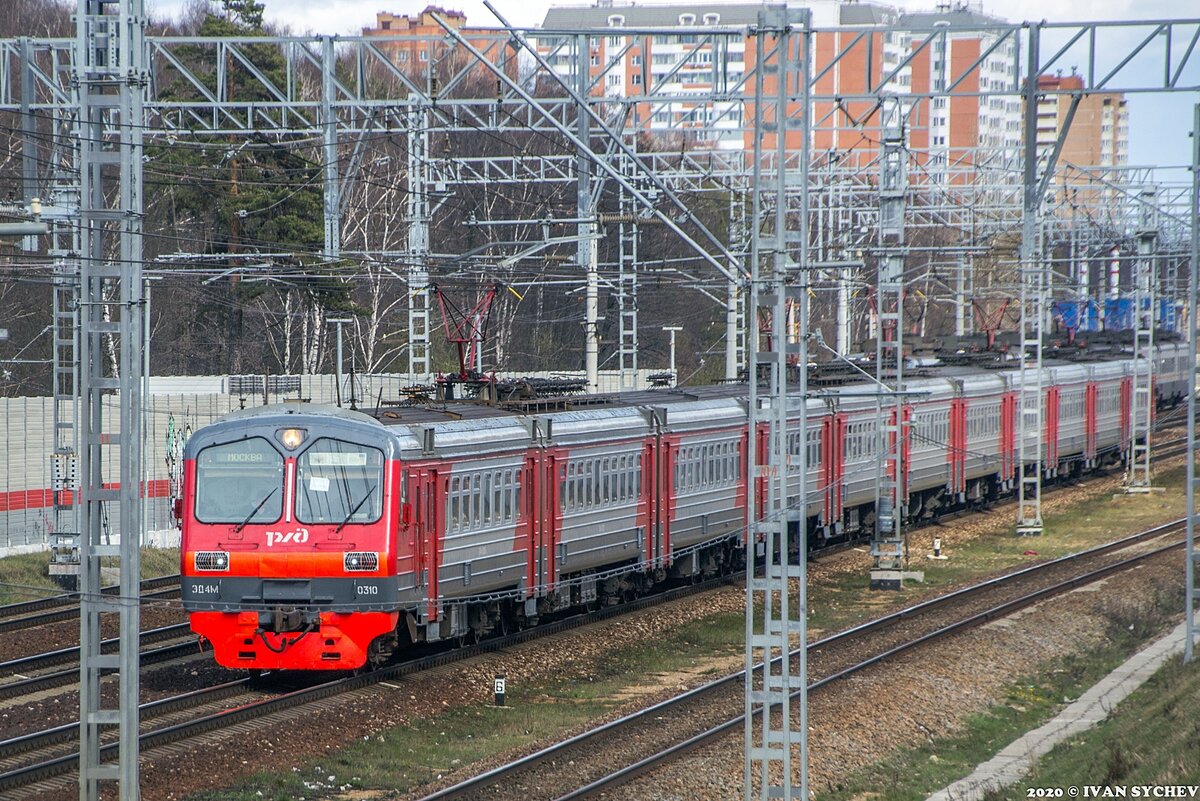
(1118, 314)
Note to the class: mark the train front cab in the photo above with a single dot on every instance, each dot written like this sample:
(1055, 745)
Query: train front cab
(288, 553)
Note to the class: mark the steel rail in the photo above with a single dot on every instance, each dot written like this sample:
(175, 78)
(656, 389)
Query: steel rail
(67, 676)
(21, 608)
(653, 761)
(33, 741)
(57, 657)
(22, 777)
(544, 755)
(14, 623)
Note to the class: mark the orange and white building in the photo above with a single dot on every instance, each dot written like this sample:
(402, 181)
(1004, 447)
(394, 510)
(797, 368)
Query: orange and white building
(416, 42)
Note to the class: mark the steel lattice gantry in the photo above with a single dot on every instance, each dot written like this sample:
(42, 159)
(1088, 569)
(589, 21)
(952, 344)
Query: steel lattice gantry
(888, 548)
(369, 94)
(1192, 565)
(776, 602)
(111, 79)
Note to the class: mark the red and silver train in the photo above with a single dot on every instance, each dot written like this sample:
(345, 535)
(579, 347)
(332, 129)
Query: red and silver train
(317, 538)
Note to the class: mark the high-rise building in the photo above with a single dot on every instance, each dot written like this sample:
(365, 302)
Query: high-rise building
(689, 62)
(1099, 133)
(937, 61)
(958, 130)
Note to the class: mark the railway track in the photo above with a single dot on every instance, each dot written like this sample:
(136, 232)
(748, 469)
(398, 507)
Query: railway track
(53, 758)
(699, 716)
(39, 612)
(15, 782)
(60, 741)
(32, 673)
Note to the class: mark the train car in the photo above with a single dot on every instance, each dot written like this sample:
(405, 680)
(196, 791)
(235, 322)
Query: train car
(318, 538)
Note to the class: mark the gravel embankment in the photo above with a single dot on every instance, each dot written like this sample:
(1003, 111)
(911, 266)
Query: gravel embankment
(922, 695)
(65, 633)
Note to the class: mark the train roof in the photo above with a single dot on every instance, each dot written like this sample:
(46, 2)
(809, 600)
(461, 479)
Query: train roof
(853, 389)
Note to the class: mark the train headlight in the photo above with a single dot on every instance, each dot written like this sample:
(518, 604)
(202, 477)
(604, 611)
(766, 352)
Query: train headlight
(360, 561)
(291, 437)
(211, 560)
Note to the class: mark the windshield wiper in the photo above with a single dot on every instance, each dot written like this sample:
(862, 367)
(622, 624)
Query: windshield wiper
(266, 498)
(357, 506)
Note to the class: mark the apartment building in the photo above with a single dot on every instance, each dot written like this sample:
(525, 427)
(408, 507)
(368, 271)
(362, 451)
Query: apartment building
(939, 60)
(417, 42)
(693, 61)
(961, 132)
(1099, 133)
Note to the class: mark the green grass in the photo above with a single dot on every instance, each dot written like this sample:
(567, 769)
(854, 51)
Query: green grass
(25, 577)
(909, 774)
(1152, 738)
(405, 758)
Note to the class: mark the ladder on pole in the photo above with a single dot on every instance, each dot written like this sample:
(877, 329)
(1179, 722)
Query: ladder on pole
(1141, 411)
(627, 284)
(1034, 290)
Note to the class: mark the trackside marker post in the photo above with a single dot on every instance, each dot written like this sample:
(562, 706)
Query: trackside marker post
(499, 687)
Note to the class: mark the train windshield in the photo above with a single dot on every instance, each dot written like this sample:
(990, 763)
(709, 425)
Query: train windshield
(339, 482)
(240, 482)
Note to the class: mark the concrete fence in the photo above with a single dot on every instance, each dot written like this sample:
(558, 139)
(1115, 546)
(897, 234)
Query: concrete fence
(176, 406)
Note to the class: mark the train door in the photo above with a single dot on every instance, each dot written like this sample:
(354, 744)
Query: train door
(742, 498)
(1052, 406)
(667, 452)
(1126, 409)
(530, 510)
(549, 544)
(429, 522)
(833, 468)
(1090, 396)
(1008, 436)
(647, 513)
(956, 453)
(905, 452)
(760, 477)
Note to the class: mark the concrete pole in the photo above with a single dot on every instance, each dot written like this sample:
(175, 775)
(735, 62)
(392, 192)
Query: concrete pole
(843, 312)
(338, 367)
(672, 330)
(591, 325)
(734, 297)
(587, 250)
(731, 330)
(960, 297)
